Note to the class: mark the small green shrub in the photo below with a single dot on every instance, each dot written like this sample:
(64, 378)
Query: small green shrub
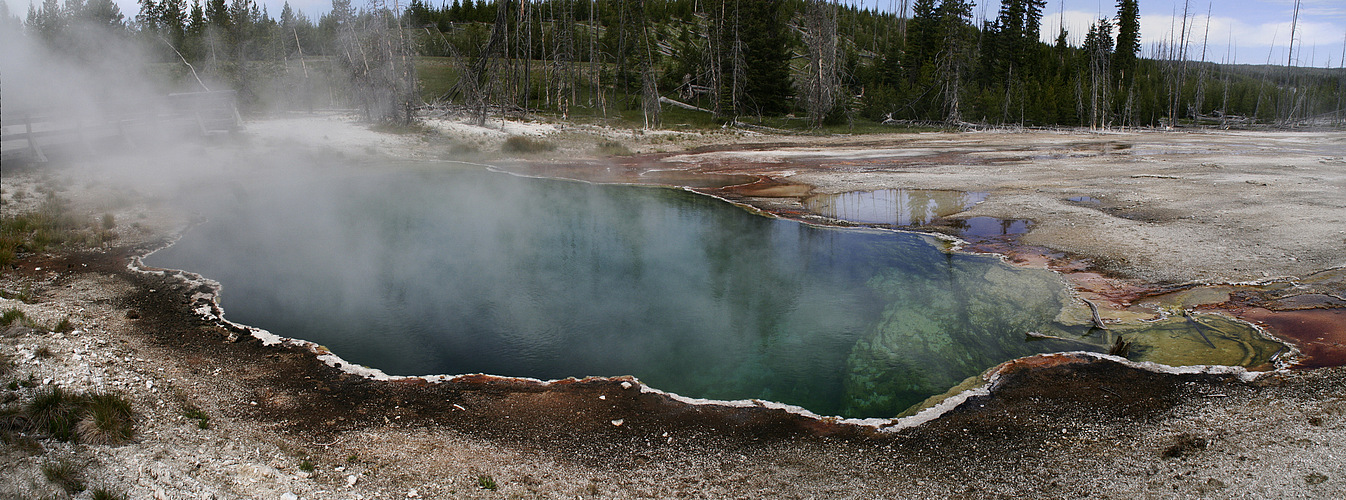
(526, 145)
(64, 326)
(306, 465)
(486, 482)
(42, 352)
(193, 412)
(109, 221)
(65, 474)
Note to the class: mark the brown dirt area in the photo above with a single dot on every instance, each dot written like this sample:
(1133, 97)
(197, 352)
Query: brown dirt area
(1176, 209)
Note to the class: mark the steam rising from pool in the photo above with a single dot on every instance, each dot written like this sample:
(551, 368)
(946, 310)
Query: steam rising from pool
(443, 270)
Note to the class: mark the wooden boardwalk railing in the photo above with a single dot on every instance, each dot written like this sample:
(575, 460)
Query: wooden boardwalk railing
(33, 131)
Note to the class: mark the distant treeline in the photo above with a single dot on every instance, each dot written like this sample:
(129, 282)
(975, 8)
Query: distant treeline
(740, 60)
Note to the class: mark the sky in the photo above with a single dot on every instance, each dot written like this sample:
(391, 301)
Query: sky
(1241, 31)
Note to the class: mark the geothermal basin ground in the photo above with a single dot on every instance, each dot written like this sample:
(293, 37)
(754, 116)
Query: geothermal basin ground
(1144, 224)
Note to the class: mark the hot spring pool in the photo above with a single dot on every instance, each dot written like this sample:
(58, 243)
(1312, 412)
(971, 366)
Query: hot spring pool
(448, 271)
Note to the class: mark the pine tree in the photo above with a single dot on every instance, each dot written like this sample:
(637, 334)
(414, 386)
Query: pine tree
(1098, 47)
(1128, 41)
(766, 57)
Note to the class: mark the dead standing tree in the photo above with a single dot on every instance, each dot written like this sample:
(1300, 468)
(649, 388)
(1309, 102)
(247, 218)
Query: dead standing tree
(649, 90)
(822, 80)
(476, 82)
(954, 16)
(376, 56)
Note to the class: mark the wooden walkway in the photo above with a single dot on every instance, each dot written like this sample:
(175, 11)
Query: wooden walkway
(31, 133)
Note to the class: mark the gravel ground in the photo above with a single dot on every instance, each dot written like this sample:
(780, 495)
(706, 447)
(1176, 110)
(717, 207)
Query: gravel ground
(1088, 427)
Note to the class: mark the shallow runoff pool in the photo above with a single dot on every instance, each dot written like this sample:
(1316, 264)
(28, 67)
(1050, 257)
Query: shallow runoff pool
(452, 271)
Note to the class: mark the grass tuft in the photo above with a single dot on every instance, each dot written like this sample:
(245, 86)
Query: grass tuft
(105, 493)
(65, 326)
(613, 148)
(307, 465)
(108, 419)
(65, 474)
(10, 316)
(13, 420)
(56, 411)
(486, 482)
(526, 145)
(98, 418)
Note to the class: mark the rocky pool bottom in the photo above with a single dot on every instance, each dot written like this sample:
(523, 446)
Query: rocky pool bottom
(439, 270)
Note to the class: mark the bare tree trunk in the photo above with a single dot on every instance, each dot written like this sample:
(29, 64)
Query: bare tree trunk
(649, 89)
(1079, 100)
(1341, 87)
(480, 74)
(714, 52)
(822, 80)
(1224, 77)
(527, 22)
(1289, 108)
(1199, 99)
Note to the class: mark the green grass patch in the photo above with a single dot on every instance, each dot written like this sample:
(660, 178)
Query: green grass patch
(49, 227)
(436, 76)
(486, 482)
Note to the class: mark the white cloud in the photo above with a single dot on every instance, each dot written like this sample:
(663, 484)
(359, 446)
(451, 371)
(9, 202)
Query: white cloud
(1229, 38)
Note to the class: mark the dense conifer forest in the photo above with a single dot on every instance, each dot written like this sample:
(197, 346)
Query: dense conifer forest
(807, 62)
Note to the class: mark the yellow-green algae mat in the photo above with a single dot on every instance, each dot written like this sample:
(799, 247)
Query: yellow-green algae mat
(1182, 340)
(1198, 339)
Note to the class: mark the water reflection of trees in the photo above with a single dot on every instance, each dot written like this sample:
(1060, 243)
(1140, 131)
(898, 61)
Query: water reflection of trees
(899, 207)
